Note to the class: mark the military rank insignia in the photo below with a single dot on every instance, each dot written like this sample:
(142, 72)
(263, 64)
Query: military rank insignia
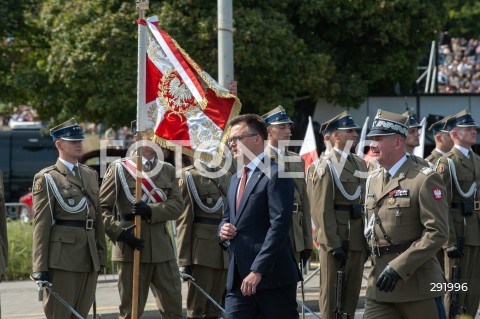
(37, 187)
(440, 168)
(180, 182)
(437, 193)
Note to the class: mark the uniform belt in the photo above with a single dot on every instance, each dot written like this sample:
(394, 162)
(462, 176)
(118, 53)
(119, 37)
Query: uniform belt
(129, 218)
(346, 208)
(87, 224)
(391, 249)
(297, 208)
(206, 221)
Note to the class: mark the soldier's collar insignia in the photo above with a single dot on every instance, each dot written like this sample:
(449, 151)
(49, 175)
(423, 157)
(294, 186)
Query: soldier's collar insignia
(37, 187)
(321, 171)
(180, 182)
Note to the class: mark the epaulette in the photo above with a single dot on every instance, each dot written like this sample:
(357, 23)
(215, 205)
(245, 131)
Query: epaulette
(167, 163)
(87, 167)
(426, 170)
(48, 169)
(188, 168)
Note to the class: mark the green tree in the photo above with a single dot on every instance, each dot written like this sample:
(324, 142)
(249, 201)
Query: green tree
(82, 59)
(463, 17)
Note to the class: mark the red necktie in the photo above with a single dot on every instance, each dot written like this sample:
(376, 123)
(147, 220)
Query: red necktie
(243, 182)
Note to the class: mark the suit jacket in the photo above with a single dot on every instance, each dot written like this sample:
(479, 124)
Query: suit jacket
(3, 230)
(412, 208)
(331, 222)
(263, 220)
(61, 247)
(197, 242)
(115, 204)
(468, 172)
(301, 232)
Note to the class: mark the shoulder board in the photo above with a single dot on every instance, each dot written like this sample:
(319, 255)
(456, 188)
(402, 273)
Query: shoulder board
(188, 168)
(426, 170)
(86, 167)
(166, 163)
(48, 169)
(376, 171)
(449, 154)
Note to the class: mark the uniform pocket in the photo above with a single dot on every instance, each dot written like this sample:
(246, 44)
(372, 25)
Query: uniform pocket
(61, 247)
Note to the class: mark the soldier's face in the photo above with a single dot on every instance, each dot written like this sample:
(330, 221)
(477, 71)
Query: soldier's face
(464, 136)
(341, 138)
(384, 148)
(412, 139)
(279, 132)
(70, 151)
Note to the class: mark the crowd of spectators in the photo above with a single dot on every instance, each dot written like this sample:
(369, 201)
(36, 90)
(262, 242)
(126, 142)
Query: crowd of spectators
(458, 65)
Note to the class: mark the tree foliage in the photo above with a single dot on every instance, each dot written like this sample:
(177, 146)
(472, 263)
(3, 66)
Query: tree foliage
(79, 57)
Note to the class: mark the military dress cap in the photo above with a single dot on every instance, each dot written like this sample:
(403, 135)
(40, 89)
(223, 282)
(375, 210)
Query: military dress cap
(439, 126)
(277, 116)
(388, 123)
(342, 121)
(461, 119)
(413, 121)
(68, 131)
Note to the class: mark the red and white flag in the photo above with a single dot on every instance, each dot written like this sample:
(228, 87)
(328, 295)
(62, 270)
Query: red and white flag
(183, 102)
(308, 151)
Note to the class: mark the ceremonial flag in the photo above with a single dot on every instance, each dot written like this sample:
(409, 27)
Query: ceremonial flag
(183, 102)
(419, 150)
(308, 151)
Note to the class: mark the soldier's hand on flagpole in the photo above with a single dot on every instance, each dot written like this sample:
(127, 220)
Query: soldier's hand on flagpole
(128, 238)
(141, 208)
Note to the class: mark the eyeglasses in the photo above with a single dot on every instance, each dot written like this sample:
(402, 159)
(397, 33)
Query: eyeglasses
(235, 139)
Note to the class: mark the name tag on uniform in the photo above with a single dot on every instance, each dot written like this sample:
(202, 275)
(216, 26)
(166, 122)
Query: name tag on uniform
(399, 193)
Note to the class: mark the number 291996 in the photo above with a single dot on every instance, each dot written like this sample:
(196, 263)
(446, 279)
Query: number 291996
(448, 286)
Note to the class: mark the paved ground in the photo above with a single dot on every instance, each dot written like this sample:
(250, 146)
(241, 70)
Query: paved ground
(19, 299)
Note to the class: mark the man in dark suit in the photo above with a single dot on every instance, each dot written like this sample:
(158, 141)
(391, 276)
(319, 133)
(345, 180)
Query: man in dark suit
(262, 273)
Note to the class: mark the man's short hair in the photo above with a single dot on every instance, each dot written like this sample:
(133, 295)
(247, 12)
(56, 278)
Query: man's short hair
(254, 122)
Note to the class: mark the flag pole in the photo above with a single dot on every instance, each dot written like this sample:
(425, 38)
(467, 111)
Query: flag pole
(141, 6)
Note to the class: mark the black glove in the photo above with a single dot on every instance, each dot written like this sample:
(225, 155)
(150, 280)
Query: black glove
(127, 237)
(304, 256)
(341, 255)
(388, 279)
(40, 276)
(186, 270)
(141, 208)
(454, 252)
(101, 270)
(367, 255)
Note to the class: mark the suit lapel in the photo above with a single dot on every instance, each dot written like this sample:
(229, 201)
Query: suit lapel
(256, 175)
(68, 174)
(466, 163)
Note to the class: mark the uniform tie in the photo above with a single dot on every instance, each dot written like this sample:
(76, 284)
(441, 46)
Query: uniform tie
(77, 173)
(147, 166)
(243, 182)
(386, 178)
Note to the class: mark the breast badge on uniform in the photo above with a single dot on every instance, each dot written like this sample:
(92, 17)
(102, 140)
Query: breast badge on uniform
(437, 193)
(391, 200)
(37, 187)
(321, 172)
(180, 182)
(440, 168)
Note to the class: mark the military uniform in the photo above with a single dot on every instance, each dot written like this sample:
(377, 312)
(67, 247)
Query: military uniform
(406, 224)
(3, 231)
(158, 267)
(462, 177)
(301, 231)
(68, 237)
(197, 237)
(434, 157)
(336, 191)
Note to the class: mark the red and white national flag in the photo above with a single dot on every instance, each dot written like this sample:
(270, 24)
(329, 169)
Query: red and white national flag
(308, 151)
(183, 102)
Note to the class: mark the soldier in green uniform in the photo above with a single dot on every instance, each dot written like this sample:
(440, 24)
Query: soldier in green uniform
(460, 170)
(443, 141)
(412, 140)
(204, 187)
(279, 129)
(336, 185)
(160, 203)
(3, 231)
(69, 246)
(443, 144)
(406, 224)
